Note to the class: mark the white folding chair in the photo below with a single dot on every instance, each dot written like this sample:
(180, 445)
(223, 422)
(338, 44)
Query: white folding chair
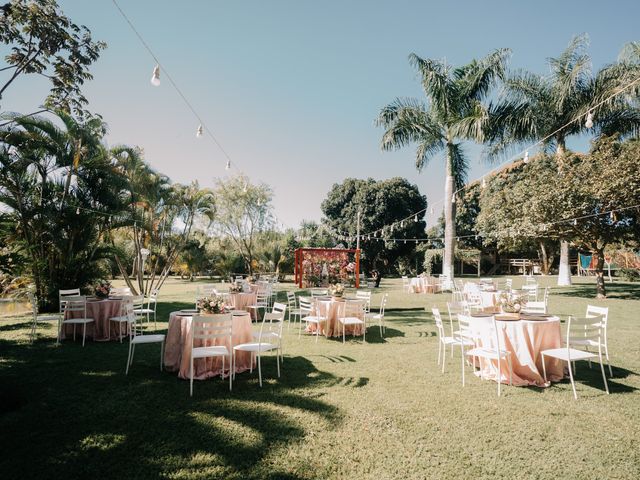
(266, 342)
(489, 352)
(534, 307)
(292, 309)
(205, 329)
(365, 296)
(40, 318)
(274, 329)
(532, 292)
(75, 307)
(353, 318)
(379, 317)
(579, 331)
(406, 285)
(594, 312)
(444, 340)
(319, 292)
(318, 319)
(126, 318)
(262, 300)
(139, 339)
(64, 294)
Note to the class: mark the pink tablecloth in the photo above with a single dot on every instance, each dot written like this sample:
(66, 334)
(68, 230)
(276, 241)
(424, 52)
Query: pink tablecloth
(329, 308)
(525, 340)
(177, 352)
(242, 300)
(101, 311)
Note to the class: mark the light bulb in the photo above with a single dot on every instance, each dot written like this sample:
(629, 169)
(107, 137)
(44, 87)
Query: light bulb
(589, 122)
(484, 183)
(526, 156)
(77, 211)
(415, 219)
(199, 131)
(228, 166)
(453, 199)
(155, 77)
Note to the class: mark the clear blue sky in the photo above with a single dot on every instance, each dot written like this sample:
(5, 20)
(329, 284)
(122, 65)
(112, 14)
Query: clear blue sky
(291, 88)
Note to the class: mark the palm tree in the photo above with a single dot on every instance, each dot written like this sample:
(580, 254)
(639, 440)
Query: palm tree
(554, 107)
(454, 114)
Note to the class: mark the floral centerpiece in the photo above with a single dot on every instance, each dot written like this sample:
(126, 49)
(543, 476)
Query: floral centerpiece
(213, 304)
(511, 303)
(252, 279)
(235, 288)
(336, 290)
(102, 289)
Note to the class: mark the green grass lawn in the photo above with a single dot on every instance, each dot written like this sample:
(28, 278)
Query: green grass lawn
(375, 411)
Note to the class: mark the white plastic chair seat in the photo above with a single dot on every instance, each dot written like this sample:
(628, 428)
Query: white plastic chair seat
(313, 319)
(45, 318)
(457, 341)
(255, 347)
(239, 313)
(351, 321)
(122, 318)
(140, 311)
(571, 354)
(256, 335)
(147, 339)
(373, 316)
(487, 353)
(584, 343)
(212, 351)
(79, 321)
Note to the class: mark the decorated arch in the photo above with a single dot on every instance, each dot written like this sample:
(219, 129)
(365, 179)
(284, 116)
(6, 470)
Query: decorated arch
(323, 266)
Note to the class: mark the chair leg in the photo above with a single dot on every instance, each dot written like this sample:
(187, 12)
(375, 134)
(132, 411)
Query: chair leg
(60, 325)
(161, 354)
(499, 374)
(604, 376)
(128, 359)
(544, 368)
(231, 371)
(606, 352)
(573, 385)
(278, 363)
(259, 370)
(444, 356)
(84, 332)
(74, 332)
(233, 357)
(462, 362)
(439, 349)
(191, 377)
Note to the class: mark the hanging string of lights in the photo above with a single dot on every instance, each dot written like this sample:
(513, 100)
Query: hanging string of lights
(155, 81)
(524, 154)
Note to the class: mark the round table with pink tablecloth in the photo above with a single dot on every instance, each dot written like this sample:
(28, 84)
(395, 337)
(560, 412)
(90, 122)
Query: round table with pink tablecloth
(177, 352)
(525, 339)
(329, 308)
(101, 328)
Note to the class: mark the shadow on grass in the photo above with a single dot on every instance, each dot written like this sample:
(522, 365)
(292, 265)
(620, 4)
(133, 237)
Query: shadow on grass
(623, 291)
(73, 411)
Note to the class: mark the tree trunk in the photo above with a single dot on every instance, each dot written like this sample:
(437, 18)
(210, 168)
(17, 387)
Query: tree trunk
(545, 258)
(449, 221)
(601, 291)
(564, 272)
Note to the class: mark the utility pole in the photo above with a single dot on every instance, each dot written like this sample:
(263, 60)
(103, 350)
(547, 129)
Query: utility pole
(358, 232)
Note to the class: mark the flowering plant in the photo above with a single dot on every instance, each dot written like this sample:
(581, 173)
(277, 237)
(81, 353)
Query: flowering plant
(351, 267)
(102, 289)
(511, 303)
(336, 290)
(235, 288)
(213, 304)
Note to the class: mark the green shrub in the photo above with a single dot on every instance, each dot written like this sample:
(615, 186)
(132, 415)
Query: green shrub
(630, 274)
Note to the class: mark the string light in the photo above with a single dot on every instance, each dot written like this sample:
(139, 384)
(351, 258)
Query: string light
(415, 219)
(484, 183)
(575, 221)
(199, 131)
(155, 77)
(589, 122)
(228, 166)
(453, 198)
(526, 157)
(78, 211)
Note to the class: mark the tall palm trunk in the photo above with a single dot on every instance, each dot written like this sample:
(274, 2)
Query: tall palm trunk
(564, 270)
(449, 220)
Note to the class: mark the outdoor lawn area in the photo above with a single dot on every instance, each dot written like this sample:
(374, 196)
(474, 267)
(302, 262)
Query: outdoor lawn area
(378, 410)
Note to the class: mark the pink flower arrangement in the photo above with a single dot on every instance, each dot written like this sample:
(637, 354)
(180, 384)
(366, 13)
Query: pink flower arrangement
(102, 289)
(214, 304)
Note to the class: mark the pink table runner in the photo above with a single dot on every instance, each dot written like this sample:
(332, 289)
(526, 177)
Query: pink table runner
(329, 308)
(177, 352)
(525, 340)
(101, 311)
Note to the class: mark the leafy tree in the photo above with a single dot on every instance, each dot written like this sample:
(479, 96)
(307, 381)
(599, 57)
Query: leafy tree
(380, 203)
(554, 107)
(45, 42)
(59, 225)
(455, 113)
(244, 212)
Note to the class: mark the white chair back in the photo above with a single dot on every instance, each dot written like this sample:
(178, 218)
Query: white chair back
(365, 296)
(210, 328)
(534, 307)
(438, 320)
(584, 329)
(64, 294)
(319, 292)
(305, 304)
(75, 304)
